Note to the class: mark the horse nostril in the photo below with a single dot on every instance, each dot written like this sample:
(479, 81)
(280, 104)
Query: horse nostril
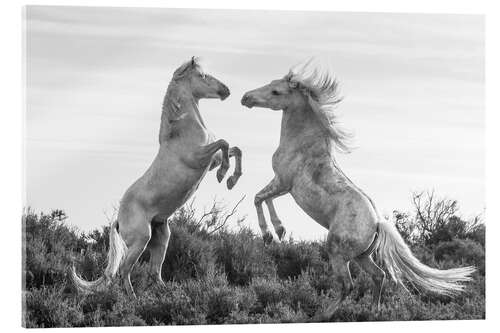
(224, 92)
(246, 100)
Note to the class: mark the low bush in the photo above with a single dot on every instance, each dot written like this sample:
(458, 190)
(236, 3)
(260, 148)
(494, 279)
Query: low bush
(216, 275)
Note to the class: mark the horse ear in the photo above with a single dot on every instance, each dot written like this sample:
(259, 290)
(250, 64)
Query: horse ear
(293, 84)
(193, 61)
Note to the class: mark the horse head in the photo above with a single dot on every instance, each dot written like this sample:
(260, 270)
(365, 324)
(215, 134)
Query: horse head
(201, 84)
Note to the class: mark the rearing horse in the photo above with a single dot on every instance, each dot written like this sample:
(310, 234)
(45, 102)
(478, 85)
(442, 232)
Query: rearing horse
(187, 151)
(305, 166)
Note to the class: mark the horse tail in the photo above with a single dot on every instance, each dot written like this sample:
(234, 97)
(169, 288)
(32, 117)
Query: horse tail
(402, 265)
(116, 253)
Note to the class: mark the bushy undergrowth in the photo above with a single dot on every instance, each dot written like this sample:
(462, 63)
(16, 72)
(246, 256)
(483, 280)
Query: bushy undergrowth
(229, 276)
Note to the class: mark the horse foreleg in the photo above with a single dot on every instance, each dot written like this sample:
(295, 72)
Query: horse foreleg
(217, 160)
(233, 179)
(205, 155)
(275, 220)
(271, 190)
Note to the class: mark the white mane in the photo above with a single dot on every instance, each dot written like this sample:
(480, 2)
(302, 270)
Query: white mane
(322, 91)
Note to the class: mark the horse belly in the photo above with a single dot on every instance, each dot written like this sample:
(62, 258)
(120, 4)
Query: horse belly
(174, 186)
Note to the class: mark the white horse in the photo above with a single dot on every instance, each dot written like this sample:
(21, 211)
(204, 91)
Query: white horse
(305, 166)
(187, 151)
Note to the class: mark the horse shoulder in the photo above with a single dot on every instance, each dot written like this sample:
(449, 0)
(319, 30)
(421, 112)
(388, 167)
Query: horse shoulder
(277, 157)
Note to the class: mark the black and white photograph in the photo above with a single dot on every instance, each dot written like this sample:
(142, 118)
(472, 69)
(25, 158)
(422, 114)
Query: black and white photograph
(243, 166)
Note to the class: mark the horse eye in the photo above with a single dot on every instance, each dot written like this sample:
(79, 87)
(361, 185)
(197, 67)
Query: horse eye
(275, 92)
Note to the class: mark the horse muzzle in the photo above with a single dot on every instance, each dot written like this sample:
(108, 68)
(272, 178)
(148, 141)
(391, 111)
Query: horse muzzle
(224, 92)
(248, 101)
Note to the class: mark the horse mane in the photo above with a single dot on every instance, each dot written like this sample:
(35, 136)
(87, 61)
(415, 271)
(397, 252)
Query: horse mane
(321, 88)
(193, 63)
(171, 105)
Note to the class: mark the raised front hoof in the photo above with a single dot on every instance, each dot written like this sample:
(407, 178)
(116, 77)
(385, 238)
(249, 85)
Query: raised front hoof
(221, 172)
(281, 232)
(231, 181)
(268, 238)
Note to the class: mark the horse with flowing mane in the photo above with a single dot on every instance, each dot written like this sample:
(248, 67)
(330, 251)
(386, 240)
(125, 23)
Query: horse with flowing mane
(304, 165)
(187, 152)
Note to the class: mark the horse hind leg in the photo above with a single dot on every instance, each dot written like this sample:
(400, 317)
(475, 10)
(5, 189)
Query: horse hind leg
(377, 274)
(344, 278)
(343, 275)
(158, 248)
(136, 232)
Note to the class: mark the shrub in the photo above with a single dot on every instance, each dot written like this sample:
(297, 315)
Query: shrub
(282, 313)
(461, 251)
(221, 302)
(45, 307)
(293, 258)
(188, 255)
(301, 295)
(229, 276)
(47, 248)
(268, 291)
(242, 257)
(478, 234)
(167, 306)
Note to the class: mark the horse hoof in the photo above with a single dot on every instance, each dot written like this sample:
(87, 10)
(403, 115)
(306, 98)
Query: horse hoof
(220, 174)
(281, 232)
(268, 238)
(230, 183)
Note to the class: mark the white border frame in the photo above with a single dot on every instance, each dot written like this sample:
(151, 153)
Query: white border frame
(12, 134)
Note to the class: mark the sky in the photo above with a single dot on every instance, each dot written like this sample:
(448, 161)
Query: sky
(413, 88)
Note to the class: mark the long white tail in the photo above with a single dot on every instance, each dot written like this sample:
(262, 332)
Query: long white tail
(402, 265)
(116, 253)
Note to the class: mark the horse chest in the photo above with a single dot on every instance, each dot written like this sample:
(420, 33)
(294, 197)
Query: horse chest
(277, 160)
(283, 163)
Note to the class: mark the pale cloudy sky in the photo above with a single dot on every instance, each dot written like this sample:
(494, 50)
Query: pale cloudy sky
(413, 87)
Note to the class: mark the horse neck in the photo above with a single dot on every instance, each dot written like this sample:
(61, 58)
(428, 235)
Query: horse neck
(189, 121)
(301, 125)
